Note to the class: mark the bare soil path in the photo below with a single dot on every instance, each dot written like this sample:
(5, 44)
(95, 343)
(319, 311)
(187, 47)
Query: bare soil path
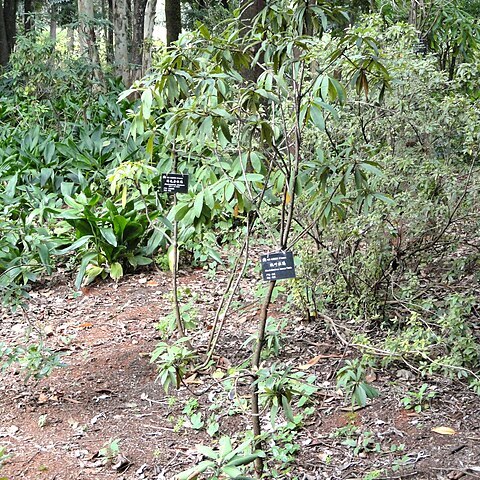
(55, 428)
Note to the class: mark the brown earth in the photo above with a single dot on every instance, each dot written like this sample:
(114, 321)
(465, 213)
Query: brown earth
(55, 428)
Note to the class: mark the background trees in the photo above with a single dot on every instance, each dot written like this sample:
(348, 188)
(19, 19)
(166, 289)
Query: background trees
(8, 28)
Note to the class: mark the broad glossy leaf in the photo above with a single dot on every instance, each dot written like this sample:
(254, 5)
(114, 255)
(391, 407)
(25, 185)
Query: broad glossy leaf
(109, 235)
(77, 244)
(198, 205)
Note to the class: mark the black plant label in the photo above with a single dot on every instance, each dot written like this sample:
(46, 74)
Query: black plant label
(278, 266)
(174, 183)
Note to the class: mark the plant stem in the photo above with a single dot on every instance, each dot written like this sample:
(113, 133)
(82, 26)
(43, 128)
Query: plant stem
(257, 428)
(176, 304)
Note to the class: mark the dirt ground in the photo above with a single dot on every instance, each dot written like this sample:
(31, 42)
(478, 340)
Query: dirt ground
(55, 428)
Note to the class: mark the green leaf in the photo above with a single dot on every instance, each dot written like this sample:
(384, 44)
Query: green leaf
(384, 198)
(359, 396)
(119, 224)
(49, 152)
(154, 241)
(370, 391)
(79, 243)
(254, 177)
(316, 116)
(45, 175)
(171, 258)
(209, 199)
(198, 205)
(83, 266)
(207, 451)
(287, 408)
(109, 235)
(137, 260)
(147, 100)
(225, 446)
(132, 231)
(256, 162)
(213, 428)
(179, 211)
(44, 255)
(231, 471)
(196, 421)
(192, 473)
(229, 191)
(11, 186)
(371, 167)
(92, 273)
(215, 255)
(116, 271)
(246, 459)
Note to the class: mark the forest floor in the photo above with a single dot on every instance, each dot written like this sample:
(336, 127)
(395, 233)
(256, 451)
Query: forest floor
(55, 428)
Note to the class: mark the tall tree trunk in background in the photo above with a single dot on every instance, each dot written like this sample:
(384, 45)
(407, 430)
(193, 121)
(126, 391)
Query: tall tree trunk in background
(28, 15)
(120, 27)
(150, 14)
(53, 23)
(71, 38)
(173, 17)
(136, 52)
(416, 15)
(86, 32)
(4, 53)
(109, 32)
(10, 20)
(249, 10)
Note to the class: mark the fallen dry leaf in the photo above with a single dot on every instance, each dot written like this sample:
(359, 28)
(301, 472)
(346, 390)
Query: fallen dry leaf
(86, 325)
(444, 430)
(316, 359)
(353, 408)
(192, 379)
(49, 330)
(42, 398)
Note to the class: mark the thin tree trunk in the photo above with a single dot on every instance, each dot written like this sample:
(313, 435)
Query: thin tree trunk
(87, 34)
(417, 12)
(28, 15)
(249, 10)
(176, 304)
(173, 20)
(53, 24)
(10, 20)
(137, 38)
(257, 355)
(107, 12)
(71, 38)
(150, 14)
(120, 25)
(4, 53)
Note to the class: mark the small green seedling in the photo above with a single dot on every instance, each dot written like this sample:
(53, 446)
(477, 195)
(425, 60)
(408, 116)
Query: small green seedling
(224, 462)
(351, 379)
(110, 450)
(420, 400)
